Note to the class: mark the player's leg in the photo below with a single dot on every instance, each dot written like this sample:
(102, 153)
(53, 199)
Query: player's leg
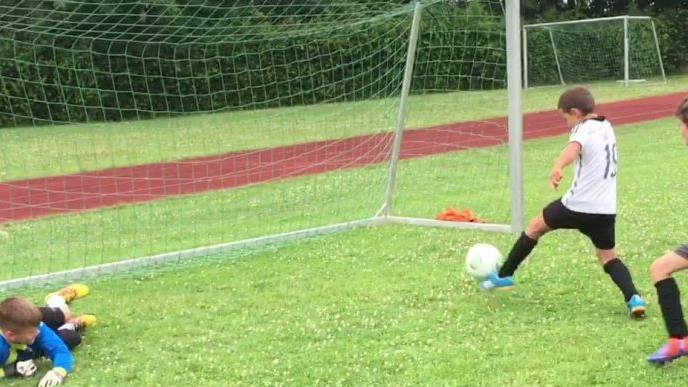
(70, 332)
(669, 299)
(621, 276)
(70, 337)
(60, 299)
(523, 246)
(67, 294)
(601, 231)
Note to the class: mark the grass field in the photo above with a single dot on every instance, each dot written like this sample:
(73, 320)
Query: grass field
(391, 305)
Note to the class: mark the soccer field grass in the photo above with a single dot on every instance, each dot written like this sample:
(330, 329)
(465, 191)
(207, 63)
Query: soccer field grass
(392, 305)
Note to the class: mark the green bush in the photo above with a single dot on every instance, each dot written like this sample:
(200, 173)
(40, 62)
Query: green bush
(143, 66)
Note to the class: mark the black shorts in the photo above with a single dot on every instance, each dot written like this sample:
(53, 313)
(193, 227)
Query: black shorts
(598, 227)
(682, 250)
(52, 317)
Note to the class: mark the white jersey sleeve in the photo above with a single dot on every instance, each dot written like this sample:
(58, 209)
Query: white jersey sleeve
(593, 188)
(579, 134)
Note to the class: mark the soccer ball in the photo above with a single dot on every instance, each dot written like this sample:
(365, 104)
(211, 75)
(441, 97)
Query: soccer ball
(482, 260)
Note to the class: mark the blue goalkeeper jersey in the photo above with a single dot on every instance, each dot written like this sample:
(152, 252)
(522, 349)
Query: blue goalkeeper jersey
(47, 344)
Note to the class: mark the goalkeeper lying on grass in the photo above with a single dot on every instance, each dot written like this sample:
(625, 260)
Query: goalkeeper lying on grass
(29, 332)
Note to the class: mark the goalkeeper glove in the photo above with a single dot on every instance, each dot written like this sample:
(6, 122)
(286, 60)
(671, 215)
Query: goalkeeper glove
(54, 377)
(20, 369)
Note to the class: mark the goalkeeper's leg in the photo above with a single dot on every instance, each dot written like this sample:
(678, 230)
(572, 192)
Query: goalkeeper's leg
(60, 300)
(70, 332)
(66, 295)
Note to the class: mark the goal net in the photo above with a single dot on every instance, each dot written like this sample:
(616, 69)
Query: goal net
(623, 48)
(135, 133)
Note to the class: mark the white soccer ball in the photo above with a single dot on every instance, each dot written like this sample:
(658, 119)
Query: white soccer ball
(482, 260)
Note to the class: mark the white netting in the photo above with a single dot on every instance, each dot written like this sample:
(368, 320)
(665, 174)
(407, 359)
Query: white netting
(591, 50)
(193, 125)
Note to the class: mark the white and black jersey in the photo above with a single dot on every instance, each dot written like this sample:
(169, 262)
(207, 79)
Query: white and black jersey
(593, 189)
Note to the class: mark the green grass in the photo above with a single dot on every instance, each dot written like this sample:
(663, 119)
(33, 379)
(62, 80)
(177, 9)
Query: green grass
(392, 305)
(389, 306)
(55, 150)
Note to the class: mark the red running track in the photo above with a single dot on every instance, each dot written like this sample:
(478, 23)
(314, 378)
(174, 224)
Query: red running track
(33, 198)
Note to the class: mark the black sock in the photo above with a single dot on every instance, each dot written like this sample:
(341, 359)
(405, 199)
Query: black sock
(621, 277)
(70, 337)
(670, 303)
(523, 246)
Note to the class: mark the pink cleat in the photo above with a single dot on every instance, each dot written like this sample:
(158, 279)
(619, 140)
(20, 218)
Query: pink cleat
(673, 349)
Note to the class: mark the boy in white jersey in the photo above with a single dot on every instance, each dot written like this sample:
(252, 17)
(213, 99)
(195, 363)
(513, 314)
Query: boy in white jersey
(589, 206)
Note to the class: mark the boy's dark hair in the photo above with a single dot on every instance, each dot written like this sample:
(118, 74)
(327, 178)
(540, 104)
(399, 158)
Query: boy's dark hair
(577, 97)
(682, 111)
(17, 314)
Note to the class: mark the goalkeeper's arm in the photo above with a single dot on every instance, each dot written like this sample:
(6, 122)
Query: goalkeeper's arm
(55, 349)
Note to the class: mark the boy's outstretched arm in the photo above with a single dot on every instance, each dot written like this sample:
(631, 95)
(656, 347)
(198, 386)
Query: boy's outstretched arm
(570, 153)
(54, 348)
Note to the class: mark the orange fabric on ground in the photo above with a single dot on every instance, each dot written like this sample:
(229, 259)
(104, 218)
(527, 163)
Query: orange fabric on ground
(465, 215)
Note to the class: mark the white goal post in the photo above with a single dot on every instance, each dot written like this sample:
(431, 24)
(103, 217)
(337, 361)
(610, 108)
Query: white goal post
(622, 47)
(515, 132)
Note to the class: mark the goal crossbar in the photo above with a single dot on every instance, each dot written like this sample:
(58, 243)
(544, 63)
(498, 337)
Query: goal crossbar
(582, 21)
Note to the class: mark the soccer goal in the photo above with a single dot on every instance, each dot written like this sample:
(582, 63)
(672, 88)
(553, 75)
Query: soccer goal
(622, 48)
(135, 134)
